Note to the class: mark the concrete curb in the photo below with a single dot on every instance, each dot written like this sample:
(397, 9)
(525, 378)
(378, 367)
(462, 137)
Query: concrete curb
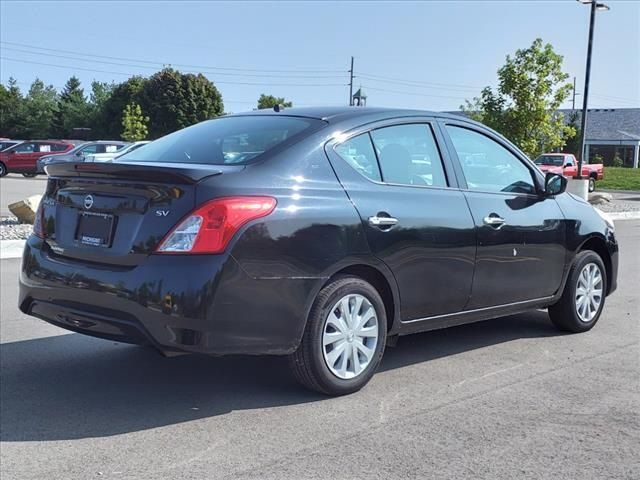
(624, 215)
(11, 248)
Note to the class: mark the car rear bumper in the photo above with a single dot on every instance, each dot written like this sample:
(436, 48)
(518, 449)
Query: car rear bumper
(175, 303)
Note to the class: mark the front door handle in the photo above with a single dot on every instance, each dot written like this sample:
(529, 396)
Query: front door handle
(377, 221)
(494, 220)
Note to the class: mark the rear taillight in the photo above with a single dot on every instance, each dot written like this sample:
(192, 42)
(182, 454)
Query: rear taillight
(209, 227)
(38, 222)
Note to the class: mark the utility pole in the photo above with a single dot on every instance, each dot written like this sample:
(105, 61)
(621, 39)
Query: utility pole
(351, 84)
(585, 99)
(573, 102)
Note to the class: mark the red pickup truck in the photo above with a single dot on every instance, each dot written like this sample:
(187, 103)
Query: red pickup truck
(567, 165)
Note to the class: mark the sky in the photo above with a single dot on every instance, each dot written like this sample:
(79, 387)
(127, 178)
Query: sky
(429, 55)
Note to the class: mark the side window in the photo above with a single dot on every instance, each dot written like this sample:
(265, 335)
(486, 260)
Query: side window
(90, 149)
(487, 165)
(25, 148)
(59, 147)
(409, 156)
(358, 152)
(568, 160)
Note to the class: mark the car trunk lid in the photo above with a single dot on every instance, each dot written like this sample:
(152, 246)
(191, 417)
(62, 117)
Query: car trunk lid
(117, 213)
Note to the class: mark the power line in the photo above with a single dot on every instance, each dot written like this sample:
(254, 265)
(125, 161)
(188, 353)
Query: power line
(206, 67)
(268, 75)
(70, 67)
(415, 94)
(416, 82)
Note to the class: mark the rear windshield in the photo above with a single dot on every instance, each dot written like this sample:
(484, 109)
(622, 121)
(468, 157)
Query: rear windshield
(225, 140)
(556, 160)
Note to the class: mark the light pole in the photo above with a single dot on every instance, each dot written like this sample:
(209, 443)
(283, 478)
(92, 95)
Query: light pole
(595, 5)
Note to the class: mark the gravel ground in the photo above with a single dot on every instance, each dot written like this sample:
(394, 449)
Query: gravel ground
(621, 202)
(11, 229)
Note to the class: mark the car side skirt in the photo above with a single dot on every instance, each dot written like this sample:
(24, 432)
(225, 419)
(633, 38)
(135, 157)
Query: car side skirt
(470, 316)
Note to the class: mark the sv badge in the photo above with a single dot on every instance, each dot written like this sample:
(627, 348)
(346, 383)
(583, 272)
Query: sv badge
(162, 213)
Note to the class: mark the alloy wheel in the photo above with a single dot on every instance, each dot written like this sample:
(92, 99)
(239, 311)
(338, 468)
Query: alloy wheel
(589, 292)
(350, 336)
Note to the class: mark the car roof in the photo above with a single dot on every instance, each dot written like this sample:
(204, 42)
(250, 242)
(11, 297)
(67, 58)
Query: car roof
(335, 114)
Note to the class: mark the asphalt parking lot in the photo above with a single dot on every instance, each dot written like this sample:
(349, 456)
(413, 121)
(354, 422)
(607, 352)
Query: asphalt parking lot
(502, 399)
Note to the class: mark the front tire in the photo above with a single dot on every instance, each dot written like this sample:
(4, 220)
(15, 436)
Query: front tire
(29, 175)
(584, 294)
(344, 338)
(3, 169)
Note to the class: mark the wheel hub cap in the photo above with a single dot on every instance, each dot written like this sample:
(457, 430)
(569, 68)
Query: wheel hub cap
(350, 336)
(589, 292)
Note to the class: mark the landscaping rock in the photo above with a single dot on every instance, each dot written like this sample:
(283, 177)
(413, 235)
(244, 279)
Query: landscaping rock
(599, 198)
(25, 210)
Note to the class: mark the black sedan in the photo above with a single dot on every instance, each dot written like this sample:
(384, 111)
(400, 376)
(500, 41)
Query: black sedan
(320, 234)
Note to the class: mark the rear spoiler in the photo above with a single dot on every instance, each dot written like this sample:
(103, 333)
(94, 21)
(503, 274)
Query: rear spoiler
(141, 171)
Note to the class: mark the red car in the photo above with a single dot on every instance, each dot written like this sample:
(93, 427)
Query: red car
(567, 165)
(22, 158)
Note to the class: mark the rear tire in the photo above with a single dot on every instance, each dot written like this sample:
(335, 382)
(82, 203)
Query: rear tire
(592, 184)
(344, 338)
(3, 170)
(584, 294)
(29, 175)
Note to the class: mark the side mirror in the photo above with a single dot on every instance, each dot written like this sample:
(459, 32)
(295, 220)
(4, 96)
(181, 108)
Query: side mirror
(79, 154)
(554, 184)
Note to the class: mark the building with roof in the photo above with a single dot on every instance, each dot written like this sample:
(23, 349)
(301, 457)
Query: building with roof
(611, 133)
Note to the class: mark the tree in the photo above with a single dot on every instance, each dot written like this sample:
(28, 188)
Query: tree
(101, 92)
(269, 101)
(572, 138)
(174, 100)
(11, 110)
(39, 110)
(110, 115)
(134, 123)
(531, 88)
(72, 110)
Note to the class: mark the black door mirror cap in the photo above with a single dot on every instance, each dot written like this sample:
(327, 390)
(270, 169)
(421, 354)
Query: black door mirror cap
(554, 184)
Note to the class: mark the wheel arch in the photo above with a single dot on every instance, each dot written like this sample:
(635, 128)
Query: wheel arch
(599, 246)
(380, 278)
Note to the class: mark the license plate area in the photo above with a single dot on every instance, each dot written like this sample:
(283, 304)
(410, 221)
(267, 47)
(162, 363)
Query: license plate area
(95, 229)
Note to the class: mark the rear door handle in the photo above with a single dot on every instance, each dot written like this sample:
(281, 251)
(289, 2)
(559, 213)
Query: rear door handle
(377, 221)
(494, 220)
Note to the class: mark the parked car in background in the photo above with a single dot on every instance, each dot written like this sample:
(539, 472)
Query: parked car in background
(6, 143)
(566, 164)
(314, 233)
(82, 151)
(23, 157)
(109, 156)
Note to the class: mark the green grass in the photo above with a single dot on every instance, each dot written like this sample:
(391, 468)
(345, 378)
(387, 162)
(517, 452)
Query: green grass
(620, 179)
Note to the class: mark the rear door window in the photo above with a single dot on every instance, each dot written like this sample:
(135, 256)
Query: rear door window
(408, 155)
(358, 152)
(59, 147)
(226, 140)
